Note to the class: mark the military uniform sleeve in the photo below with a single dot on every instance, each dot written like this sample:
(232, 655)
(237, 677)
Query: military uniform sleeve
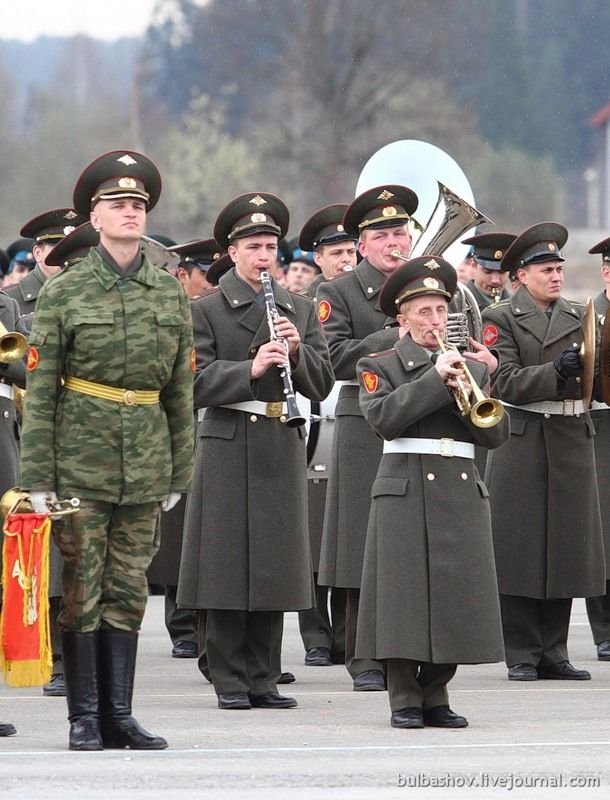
(312, 373)
(513, 382)
(390, 409)
(45, 364)
(345, 350)
(177, 400)
(217, 381)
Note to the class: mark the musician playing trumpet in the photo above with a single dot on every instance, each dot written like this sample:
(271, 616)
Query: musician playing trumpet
(429, 527)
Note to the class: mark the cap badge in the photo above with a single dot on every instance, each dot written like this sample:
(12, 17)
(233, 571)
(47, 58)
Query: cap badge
(70, 214)
(552, 246)
(258, 218)
(389, 211)
(340, 228)
(431, 264)
(385, 195)
(216, 256)
(127, 160)
(498, 255)
(257, 200)
(127, 183)
(431, 283)
(68, 229)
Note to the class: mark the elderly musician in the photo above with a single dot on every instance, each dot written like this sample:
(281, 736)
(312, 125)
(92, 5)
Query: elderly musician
(420, 611)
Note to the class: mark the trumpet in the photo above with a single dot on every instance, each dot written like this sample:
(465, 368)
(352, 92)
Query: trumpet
(12, 345)
(486, 411)
(17, 501)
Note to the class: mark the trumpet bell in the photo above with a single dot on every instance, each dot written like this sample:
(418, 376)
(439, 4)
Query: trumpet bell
(487, 412)
(13, 345)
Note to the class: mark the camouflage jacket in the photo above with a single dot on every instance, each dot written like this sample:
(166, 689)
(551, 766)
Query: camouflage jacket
(132, 333)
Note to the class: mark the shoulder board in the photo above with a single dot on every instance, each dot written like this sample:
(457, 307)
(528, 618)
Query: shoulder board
(500, 304)
(576, 303)
(382, 353)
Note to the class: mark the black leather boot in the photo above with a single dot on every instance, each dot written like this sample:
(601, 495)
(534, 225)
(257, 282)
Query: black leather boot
(117, 671)
(81, 678)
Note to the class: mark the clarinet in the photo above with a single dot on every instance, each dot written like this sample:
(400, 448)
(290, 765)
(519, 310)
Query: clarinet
(294, 417)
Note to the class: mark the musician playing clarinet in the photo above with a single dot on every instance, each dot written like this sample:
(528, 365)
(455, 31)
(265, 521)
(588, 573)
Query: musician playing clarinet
(246, 556)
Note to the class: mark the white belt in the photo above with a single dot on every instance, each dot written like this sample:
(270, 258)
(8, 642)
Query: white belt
(597, 406)
(434, 447)
(252, 407)
(566, 408)
(6, 390)
(354, 382)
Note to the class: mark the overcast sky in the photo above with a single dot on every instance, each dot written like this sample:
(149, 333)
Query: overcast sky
(102, 19)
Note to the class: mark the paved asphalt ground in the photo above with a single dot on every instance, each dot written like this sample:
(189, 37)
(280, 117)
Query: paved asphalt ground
(545, 738)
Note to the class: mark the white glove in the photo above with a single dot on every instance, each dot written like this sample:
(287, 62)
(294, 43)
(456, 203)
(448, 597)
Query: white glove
(39, 501)
(170, 501)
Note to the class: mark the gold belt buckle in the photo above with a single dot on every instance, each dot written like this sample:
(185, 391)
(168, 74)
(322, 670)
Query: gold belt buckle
(446, 448)
(129, 397)
(274, 410)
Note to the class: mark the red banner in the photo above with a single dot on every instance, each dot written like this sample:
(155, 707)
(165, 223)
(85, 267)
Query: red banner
(25, 641)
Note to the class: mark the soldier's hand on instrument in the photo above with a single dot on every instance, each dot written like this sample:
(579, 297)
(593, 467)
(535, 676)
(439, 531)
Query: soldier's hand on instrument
(41, 500)
(482, 355)
(568, 364)
(448, 367)
(287, 331)
(270, 354)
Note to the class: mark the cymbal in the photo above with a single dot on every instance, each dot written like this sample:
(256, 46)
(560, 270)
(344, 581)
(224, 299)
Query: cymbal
(587, 352)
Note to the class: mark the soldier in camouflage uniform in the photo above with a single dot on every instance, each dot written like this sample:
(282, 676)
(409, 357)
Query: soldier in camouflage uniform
(109, 419)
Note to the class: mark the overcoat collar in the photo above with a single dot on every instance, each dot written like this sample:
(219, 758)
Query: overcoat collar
(371, 280)
(238, 294)
(411, 355)
(532, 318)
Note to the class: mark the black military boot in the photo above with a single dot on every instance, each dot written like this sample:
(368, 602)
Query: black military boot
(117, 671)
(80, 672)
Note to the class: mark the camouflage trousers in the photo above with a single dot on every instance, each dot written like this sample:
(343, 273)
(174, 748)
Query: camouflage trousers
(107, 549)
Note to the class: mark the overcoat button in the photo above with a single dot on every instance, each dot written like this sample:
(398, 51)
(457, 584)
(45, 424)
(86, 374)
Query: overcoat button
(253, 418)
(430, 476)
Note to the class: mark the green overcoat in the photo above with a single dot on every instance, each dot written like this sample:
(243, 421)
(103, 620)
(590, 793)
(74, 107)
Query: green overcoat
(132, 333)
(542, 482)
(429, 590)
(246, 543)
(354, 327)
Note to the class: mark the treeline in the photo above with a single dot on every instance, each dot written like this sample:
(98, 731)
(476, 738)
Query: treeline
(293, 97)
